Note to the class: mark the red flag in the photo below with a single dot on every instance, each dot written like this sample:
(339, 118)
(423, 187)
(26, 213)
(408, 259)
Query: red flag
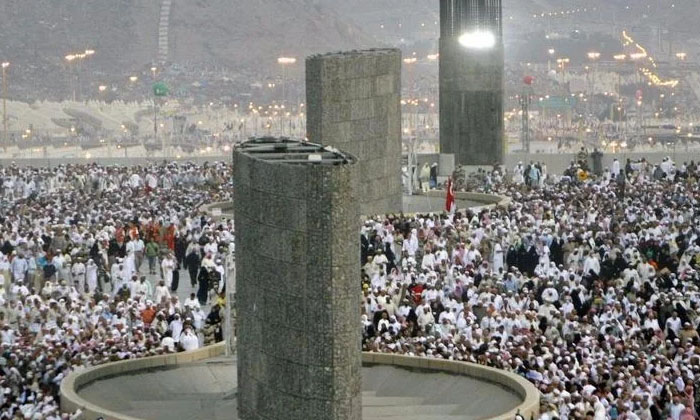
(450, 200)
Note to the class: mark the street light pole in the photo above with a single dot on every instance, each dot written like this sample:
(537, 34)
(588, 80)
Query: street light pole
(284, 62)
(551, 52)
(154, 70)
(6, 140)
(593, 56)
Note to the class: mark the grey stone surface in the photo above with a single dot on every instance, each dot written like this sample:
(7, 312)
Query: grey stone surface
(208, 390)
(471, 84)
(353, 103)
(297, 267)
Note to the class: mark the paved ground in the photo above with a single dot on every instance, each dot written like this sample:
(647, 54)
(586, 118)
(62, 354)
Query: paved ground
(206, 390)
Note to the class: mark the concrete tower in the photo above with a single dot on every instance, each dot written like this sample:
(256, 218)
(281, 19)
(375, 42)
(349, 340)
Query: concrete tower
(471, 81)
(297, 265)
(354, 103)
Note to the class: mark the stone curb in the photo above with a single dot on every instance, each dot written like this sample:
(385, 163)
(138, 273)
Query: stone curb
(71, 401)
(529, 408)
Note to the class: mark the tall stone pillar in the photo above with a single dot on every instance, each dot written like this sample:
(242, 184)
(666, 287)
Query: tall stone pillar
(471, 81)
(297, 263)
(353, 103)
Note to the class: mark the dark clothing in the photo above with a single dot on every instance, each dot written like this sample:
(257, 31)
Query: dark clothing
(192, 262)
(203, 291)
(180, 249)
(176, 278)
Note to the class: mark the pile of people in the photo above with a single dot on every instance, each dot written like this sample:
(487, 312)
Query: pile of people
(90, 261)
(588, 287)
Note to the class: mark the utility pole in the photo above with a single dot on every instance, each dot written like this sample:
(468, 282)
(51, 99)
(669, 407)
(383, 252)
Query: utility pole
(525, 101)
(6, 140)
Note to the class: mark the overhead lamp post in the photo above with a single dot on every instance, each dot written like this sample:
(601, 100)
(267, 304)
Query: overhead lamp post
(4, 65)
(413, 122)
(284, 62)
(593, 56)
(551, 52)
(77, 58)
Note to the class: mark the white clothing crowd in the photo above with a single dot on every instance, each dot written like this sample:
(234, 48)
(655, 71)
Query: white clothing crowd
(73, 290)
(588, 288)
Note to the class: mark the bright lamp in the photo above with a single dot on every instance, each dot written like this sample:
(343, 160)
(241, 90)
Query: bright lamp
(478, 40)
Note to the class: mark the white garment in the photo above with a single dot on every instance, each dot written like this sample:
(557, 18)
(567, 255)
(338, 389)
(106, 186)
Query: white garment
(160, 293)
(168, 266)
(176, 329)
(615, 170)
(189, 340)
(91, 277)
(498, 261)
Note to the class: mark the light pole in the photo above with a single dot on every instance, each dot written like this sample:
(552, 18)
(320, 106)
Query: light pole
(154, 71)
(70, 58)
(77, 57)
(551, 52)
(410, 61)
(593, 56)
(6, 140)
(620, 58)
(562, 62)
(284, 62)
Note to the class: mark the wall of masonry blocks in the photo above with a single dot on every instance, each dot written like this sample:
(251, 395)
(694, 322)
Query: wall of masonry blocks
(297, 246)
(471, 103)
(353, 103)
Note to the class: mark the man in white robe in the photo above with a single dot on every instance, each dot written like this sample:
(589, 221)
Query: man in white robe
(91, 276)
(168, 265)
(78, 272)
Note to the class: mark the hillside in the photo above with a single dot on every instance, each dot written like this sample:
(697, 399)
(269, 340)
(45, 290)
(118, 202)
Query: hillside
(254, 32)
(239, 35)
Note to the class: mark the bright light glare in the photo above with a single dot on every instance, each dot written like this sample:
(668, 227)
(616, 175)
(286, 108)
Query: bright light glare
(479, 40)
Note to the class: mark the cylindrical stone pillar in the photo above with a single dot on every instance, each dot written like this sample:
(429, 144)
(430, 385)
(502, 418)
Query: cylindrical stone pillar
(297, 263)
(471, 81)
(353, 103)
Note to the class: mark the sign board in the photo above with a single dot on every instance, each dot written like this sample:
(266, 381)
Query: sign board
(216, 212)
(160, 89)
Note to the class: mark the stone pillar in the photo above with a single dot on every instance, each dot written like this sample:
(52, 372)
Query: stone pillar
(297, 219)
(471, 83)
(353, 103)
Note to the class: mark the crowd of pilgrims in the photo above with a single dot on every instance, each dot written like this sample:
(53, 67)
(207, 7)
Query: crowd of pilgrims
(587, 287)
(90, 261)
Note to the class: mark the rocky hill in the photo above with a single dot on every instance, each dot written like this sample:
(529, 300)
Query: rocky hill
(201, 34)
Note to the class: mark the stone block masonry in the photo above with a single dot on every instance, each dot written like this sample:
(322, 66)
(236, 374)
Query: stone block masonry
(471, 83)
(297, 248)
(353, 103)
